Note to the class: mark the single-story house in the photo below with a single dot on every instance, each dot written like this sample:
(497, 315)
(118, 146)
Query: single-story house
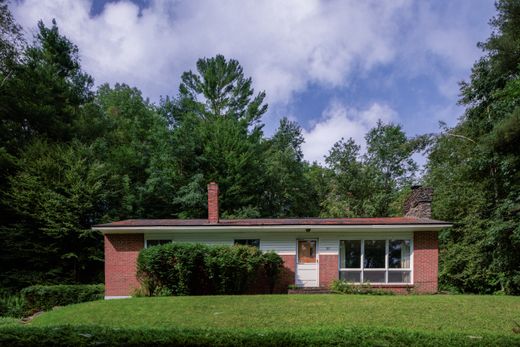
(395, 253)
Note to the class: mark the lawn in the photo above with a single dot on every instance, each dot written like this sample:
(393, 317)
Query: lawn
(472, 315)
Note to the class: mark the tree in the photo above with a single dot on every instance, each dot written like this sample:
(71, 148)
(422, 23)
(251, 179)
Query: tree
(44, 92)
(370, 185)
(58, 192)
(217, 136)
(289, 192)
(475, 168)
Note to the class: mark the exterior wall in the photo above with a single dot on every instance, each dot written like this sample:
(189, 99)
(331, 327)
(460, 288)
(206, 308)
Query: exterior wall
(121, 251)
(328, 269)
(426, 261)
(287, 276)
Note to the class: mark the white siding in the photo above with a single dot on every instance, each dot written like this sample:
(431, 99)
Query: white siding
(281, 242)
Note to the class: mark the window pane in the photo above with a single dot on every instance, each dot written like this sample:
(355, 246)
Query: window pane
(399, 254)
(151, 243)
(399, 277)
(375, 254)
(374, 276)
(350, 276)
(306, 251)
(350, 254)
(248, 242)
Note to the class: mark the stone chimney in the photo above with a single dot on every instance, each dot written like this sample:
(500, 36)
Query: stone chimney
(213, 203)
(419, 203)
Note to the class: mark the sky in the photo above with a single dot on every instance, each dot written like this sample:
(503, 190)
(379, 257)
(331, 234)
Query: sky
(334, 66)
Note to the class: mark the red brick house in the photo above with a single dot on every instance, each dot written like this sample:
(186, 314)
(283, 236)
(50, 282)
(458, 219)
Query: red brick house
(397, 253)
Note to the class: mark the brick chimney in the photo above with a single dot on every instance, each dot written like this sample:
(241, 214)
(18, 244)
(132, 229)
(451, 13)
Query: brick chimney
(419, 203)
(213, 203)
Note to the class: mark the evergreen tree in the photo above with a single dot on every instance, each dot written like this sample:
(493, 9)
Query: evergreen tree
(475, 169)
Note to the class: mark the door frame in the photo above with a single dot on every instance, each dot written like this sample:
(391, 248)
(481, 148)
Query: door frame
(317, 258)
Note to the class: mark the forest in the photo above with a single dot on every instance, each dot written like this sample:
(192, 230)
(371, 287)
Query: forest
(73, 155)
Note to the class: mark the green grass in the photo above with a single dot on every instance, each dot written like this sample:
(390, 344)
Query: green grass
(472, 315)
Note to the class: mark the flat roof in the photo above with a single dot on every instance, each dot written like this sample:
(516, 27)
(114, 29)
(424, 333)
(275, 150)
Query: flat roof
(272, 222)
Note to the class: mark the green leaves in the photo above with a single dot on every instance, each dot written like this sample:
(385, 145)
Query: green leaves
(196, 269)
(371, 185)
(475, 169)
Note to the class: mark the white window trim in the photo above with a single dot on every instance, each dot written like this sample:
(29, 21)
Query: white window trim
(259, 241)
(386, 269)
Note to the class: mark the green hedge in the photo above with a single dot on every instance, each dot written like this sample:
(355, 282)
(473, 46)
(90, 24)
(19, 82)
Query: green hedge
(93, 335)
(344, 287)
(42, 297)
(197, 269)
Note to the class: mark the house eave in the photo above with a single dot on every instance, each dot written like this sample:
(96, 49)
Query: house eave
(270, 228)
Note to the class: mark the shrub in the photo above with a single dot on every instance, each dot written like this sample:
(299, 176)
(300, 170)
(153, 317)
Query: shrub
(12, 305)
(12, 335)
(197, 269)
(344, 287)
(41, 297)
(9, 321)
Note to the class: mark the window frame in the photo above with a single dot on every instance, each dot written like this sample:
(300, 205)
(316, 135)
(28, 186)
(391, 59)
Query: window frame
(235, 242)
(386, 269)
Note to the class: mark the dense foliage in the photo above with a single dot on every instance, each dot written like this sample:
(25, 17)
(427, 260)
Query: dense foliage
(197, 269)
(72, 155)
(12, 335)
(475, 169)
(12, 305)
(344, 287)
(38, 297)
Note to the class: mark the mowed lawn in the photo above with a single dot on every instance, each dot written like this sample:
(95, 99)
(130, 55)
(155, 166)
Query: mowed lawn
(426, 313)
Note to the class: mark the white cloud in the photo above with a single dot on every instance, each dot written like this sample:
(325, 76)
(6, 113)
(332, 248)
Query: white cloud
(338, 121)
(283, 45)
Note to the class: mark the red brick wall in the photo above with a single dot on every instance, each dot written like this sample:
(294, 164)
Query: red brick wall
(288, 276)
(121, 251)
(425, 261)
(328, 269)
(213, 203)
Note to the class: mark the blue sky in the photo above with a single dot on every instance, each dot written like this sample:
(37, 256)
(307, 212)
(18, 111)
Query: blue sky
(334, 66)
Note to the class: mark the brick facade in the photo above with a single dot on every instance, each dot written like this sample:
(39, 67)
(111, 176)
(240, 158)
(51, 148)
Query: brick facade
(425, 261)
(329, 269)
(121, 251)
(213, 203)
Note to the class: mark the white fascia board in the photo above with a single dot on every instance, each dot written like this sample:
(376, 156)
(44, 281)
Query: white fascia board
(273, 228)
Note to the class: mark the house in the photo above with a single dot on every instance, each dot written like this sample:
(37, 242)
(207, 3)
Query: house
(396, 253)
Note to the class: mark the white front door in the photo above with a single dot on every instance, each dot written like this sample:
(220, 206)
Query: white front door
(307, 263)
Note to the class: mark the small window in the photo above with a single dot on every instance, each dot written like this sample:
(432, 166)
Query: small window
(248, 242)
(150, 243)
(307, 252)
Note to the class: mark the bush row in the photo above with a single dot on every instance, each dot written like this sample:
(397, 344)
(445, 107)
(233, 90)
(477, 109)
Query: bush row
(11, 335)
(45, 297)
(344, 287)
(197, 269)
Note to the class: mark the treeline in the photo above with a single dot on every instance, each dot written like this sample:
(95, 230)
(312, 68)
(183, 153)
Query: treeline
(72, 156)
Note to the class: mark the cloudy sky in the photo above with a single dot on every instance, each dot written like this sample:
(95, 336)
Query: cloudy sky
(335, 66)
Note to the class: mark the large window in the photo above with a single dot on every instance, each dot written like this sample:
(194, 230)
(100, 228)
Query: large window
(375, 261)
